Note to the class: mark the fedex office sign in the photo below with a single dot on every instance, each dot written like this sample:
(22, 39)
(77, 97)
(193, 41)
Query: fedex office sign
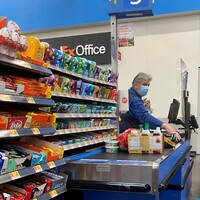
(94, 47)
(83, 50)
(135, 3)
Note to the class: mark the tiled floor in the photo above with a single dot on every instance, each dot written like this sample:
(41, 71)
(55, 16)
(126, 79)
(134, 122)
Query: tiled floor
(195, 190)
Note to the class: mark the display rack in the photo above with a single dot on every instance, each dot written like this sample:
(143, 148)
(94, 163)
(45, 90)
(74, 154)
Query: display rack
(91, 80)
(27, 132)
(83, 115)
(26, 100)
(81, 130)
(86, 143)
(20, 64)
(87, 98)
(4, 178)
(13, 65)
(51, 194)
(84, 99)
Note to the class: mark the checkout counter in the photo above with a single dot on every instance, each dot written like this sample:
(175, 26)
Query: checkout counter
(105, 176)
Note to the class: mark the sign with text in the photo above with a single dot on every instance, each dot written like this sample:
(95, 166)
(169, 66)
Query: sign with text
(132, 3)
(130, 8)
(95, 47)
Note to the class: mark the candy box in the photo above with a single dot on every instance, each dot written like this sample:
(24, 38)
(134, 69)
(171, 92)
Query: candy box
(33, 188)
(3, 162)
(11, 192)
(16, 122)
(56, 180)
(17, 159)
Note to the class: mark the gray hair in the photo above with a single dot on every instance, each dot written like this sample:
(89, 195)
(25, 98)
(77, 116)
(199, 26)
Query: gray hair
(140, 77)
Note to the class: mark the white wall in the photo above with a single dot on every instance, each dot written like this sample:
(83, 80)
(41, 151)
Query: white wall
(159, 44)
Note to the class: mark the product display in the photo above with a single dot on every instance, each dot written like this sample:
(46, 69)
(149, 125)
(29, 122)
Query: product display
(37, 108)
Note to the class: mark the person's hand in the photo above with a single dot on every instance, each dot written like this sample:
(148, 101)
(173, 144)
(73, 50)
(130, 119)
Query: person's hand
(147, 103)
(171, 131)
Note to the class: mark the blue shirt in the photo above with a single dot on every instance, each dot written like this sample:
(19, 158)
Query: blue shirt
(140, 113)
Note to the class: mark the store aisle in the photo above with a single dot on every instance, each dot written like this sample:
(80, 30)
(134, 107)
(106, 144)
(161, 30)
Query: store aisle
(195, 190)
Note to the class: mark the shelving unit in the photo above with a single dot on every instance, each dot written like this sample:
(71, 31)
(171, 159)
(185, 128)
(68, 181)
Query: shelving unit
(83, 99)
(4, 178)
(27, 132)
(86, 143)
(21, 101)
(31, 101)
(81, 130)
(26, 100)
(51, 194)
(20, 64)
(83, 115)
(91, 80)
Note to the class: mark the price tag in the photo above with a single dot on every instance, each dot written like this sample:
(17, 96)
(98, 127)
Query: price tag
(38, 168)
(60, 131)
(79, 144)
(30, 100)
(65, 148)
(14, 175)
(51, 164)
(13, 133)
(35, 131)
(27, 65)
(34, 199)
(5, 97)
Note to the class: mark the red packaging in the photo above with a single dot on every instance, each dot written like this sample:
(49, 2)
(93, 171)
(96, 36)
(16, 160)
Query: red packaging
(16, 122)
(123, 138)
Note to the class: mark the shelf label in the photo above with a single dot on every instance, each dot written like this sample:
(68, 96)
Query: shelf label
(38, 168)
(65, 148)
(79, 144)
(27, 65)
(14, 175)
(53, 193)
(13, 132)
(60, 131)
(30, 100)
(51, 164)
(35, 131)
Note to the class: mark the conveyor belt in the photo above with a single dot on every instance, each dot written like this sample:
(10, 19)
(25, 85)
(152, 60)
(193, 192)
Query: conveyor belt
(127, 156)
(149, 173)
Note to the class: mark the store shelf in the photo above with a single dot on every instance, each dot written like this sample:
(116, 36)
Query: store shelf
(86, 143)
(92, 80)
(88, 98)
(81, 130)
(83, 115)
(27, 132)
(30, 170)
(20, 64)
(51, 194)
(26, 100)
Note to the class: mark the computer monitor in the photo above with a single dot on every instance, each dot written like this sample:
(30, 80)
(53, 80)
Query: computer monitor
(173, 111)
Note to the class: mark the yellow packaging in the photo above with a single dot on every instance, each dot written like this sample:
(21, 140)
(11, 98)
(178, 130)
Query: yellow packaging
(169, 142)
(146, 143)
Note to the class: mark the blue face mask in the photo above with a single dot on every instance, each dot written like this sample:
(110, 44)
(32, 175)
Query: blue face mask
(143, 90)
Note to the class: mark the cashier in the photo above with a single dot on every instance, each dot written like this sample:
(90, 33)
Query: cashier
(140, 108)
